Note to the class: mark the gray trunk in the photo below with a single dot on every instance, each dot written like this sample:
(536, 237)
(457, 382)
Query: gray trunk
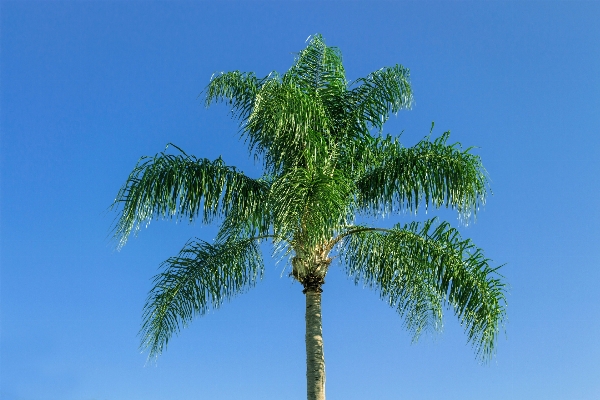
(315, 359)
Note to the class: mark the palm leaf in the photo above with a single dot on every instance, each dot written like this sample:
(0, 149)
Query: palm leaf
(201, 277)
(286, 126)
(420, 268)
(178, 186)
(313, 203)
(237, 89)
(430, 173)
(318, 68)
(382, 92)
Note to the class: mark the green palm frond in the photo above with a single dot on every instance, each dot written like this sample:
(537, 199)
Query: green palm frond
(253, 221)
(382, 92)
(432, 172)
(311, 202)
(178, 186)
(287, 125)
(420, 268)
(362, 155)
(318, 68)
(237, 89)
(200, 278)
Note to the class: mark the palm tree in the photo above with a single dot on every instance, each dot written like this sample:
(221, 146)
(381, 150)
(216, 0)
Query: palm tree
(325, 163)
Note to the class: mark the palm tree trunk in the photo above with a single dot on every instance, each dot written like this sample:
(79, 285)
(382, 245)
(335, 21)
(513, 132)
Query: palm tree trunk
(315, 359)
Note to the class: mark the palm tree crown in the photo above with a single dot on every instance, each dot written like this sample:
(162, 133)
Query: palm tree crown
(325, 162)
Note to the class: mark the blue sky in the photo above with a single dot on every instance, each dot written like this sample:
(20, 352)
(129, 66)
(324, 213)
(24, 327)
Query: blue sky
(89, 87)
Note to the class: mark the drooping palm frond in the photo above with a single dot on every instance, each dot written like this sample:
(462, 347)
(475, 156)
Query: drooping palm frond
(362, 155)
(178, 186)
(420, 268)
(237, 89)
(382, 92)
(253, 221)
(201, 277)
(430, 173)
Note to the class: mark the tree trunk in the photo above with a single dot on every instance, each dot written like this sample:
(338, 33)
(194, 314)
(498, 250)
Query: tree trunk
(315, 359)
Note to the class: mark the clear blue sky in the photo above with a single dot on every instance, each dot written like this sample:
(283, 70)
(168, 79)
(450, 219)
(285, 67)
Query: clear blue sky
(89, 87)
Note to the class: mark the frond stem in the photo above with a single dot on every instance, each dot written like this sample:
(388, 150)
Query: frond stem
(266, 237)
(334, 241)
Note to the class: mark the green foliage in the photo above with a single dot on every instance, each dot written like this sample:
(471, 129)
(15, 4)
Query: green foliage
(420, 268)
(201, 277)
(177, 186)
(323, 165)
(382, 92)
(432, 171)
(303, 116)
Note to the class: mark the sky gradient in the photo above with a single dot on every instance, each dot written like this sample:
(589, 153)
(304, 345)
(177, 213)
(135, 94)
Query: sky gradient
(87, 88)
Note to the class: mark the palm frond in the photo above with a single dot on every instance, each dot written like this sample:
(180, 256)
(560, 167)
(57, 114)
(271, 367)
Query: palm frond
(286, 125)
(237, 89)
(382, 92)
(178, 186)
(420, 268)
(200, 278)
(253, 221)
(318, 68)
(311, 202)
(360, 155)
(430, 173)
